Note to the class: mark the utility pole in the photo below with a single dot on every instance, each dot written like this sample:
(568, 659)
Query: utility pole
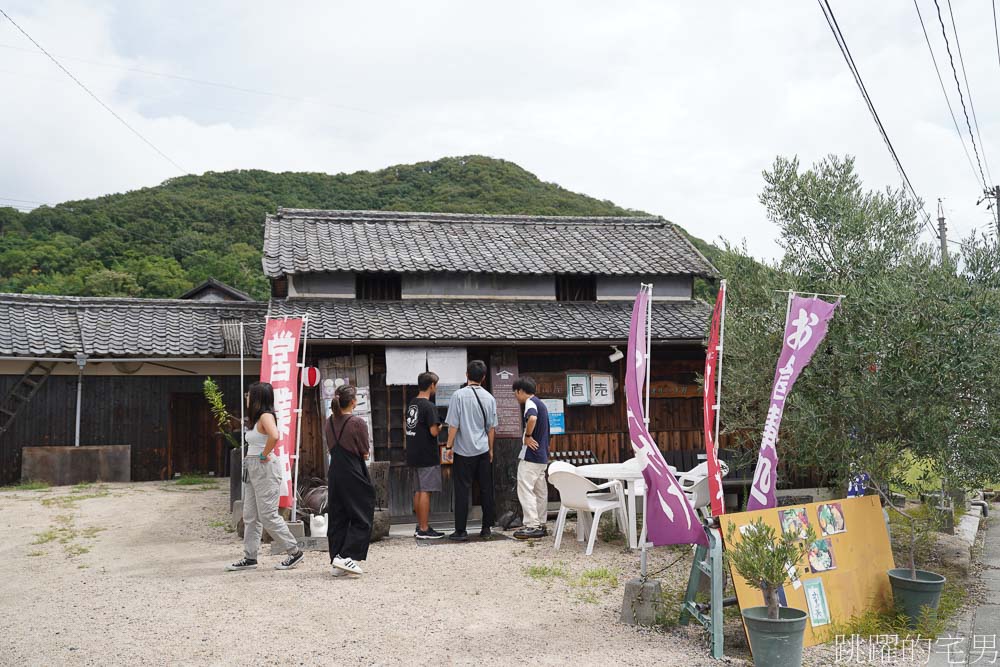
(993, 194)
(942, 233)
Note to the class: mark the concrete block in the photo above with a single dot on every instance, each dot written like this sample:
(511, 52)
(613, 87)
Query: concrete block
(967, 527)
(987, 620)
(307, 544)
(641, 602)
(297, 528)
(380, 525)
(62, 466)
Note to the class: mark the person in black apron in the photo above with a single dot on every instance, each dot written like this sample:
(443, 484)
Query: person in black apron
(351, 495)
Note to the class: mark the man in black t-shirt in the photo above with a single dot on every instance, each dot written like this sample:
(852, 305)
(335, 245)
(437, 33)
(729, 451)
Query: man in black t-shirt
(422, 453)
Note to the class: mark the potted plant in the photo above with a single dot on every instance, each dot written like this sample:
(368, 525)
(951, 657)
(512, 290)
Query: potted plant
(915, 592)
(768, 562)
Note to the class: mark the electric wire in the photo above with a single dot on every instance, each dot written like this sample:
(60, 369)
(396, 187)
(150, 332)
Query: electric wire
(93, 95)
(968, 90)
(831, 21)
(944, 91)
(954, 71)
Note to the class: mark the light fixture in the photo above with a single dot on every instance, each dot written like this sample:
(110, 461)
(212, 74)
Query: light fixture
(617, 355)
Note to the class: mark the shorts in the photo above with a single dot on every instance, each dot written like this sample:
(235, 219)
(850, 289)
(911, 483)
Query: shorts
(427, 479)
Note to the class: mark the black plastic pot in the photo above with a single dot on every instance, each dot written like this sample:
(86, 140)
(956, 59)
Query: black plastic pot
(913, 596)
(776, 642)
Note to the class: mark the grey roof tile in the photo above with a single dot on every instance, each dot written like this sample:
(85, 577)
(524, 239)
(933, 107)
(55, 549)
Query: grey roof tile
(305, 241)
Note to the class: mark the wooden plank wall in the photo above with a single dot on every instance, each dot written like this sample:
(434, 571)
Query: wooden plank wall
(117, 410)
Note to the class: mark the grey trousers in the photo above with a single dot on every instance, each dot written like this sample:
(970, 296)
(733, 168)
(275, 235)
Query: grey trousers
(260, 507)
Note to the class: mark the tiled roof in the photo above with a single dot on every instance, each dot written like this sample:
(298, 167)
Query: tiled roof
(307, 241)
(43, 326)
(487, 320)
(213, 285)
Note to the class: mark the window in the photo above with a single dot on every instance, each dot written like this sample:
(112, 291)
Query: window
(576, 288)
(378, 287)
(279, 287)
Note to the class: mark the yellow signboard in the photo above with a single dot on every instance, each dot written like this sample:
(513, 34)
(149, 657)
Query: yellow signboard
(844, 572)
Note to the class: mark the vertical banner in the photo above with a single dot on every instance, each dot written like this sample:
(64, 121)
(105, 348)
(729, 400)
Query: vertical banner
(670, 519)
(713, 362)
(805, 327)
(279, 366)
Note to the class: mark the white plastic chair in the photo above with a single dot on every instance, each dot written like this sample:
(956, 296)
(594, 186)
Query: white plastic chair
(574, 491)
(694, 484)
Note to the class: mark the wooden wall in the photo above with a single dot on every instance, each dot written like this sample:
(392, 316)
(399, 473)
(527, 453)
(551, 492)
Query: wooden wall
(117, 410)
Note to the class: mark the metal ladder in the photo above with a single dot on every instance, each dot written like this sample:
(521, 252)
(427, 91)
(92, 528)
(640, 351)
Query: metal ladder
(22, 392)
(708, 563)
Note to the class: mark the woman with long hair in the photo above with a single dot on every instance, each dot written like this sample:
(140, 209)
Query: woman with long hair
(262, 489)
(351, 495)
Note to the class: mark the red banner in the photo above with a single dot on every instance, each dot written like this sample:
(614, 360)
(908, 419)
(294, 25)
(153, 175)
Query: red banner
(279, 365)
(711, 407)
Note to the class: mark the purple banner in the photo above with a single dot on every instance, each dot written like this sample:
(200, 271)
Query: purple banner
(805, 328)
(670, 519)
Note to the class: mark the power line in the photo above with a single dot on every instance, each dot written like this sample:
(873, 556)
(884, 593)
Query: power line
(954, 71)
(96, 98)
(944, 91)
(968, 89)
(996, 31)
(831, 21)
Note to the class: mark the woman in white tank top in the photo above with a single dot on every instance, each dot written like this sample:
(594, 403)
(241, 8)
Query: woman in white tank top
(262, 474)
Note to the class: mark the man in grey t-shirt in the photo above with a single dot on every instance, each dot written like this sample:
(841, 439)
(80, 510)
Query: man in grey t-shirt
(472, 421)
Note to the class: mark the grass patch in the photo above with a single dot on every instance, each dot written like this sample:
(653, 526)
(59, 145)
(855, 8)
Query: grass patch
(46, 536)
(27, 486)
(598, 577)
(540, 572)
(35, 554)
(220, 523)
(81, 487)
(70, 501)
(76, 550)
(195, 480)
(91, 533)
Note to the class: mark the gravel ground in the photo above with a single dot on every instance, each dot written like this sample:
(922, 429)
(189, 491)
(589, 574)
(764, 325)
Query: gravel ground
(132, 574)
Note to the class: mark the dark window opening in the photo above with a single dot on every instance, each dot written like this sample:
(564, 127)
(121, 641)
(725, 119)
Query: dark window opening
(576, 288)
(279, 287)
(378, 287)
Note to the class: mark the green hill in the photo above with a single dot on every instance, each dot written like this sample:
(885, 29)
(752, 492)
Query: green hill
(160, 241)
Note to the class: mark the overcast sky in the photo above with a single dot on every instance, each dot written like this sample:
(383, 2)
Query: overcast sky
(670, 107)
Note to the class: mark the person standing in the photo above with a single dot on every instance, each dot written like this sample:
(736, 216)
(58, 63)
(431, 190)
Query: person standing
(532, 487)
(472, 420)
(422, 453)
(262, 491)
(350, 493)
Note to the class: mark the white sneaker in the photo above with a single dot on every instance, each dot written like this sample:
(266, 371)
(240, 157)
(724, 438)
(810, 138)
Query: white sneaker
(347, 565)
(337, 572)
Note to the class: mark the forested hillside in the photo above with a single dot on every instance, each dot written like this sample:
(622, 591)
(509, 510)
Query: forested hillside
(160, 241)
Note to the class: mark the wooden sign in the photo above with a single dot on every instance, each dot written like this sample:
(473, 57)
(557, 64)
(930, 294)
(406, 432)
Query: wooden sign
(671, 389)
(504, 373)
(844, 572)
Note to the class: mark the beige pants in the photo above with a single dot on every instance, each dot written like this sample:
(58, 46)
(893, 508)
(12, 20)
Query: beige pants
(260, 507)
(533, 492)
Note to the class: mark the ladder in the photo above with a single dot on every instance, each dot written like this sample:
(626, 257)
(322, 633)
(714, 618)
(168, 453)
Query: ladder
(708, 563)
(22, 392)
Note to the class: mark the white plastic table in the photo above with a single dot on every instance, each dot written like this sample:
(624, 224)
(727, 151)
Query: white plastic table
(627, 472)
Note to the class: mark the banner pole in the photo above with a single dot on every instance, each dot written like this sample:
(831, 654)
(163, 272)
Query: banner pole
(649, 346)
(718, 366)
(298, 422)
(243, 423)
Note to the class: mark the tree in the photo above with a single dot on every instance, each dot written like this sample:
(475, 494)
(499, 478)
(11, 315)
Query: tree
(911, 359)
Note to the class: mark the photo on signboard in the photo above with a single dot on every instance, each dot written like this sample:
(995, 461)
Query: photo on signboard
(819, 610)
(821, 556)
(831, 519)
(794, 520)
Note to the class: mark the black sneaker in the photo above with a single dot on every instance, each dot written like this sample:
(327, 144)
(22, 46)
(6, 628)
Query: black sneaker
(429, 534)
(459, 537)
(291, 561)
(242, 564)
(486, 534)
(529, 533)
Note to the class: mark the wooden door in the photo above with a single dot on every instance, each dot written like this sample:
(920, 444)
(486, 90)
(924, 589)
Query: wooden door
(193, 445)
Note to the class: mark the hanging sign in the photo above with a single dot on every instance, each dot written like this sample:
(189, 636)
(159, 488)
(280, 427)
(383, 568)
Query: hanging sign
(310, 376)
(577, 389)
(557, 415)
(602, 389)
(713, 360)
(805, 327)
(509, 411)
(670, 518)
(278, 366)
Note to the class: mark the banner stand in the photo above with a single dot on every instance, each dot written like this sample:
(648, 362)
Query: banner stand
(243, 421)
(298, 424)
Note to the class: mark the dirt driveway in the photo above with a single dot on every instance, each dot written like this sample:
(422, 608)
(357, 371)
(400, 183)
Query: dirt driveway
(132, 574)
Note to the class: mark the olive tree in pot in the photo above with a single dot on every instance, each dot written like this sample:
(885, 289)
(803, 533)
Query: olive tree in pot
(916, 593)
(768, 562)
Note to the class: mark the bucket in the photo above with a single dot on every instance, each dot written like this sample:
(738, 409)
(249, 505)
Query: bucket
(912, 595)
(317, 525)
(776, 643)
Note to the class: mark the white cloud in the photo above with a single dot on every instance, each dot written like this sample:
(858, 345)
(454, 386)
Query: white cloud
(673, 109)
